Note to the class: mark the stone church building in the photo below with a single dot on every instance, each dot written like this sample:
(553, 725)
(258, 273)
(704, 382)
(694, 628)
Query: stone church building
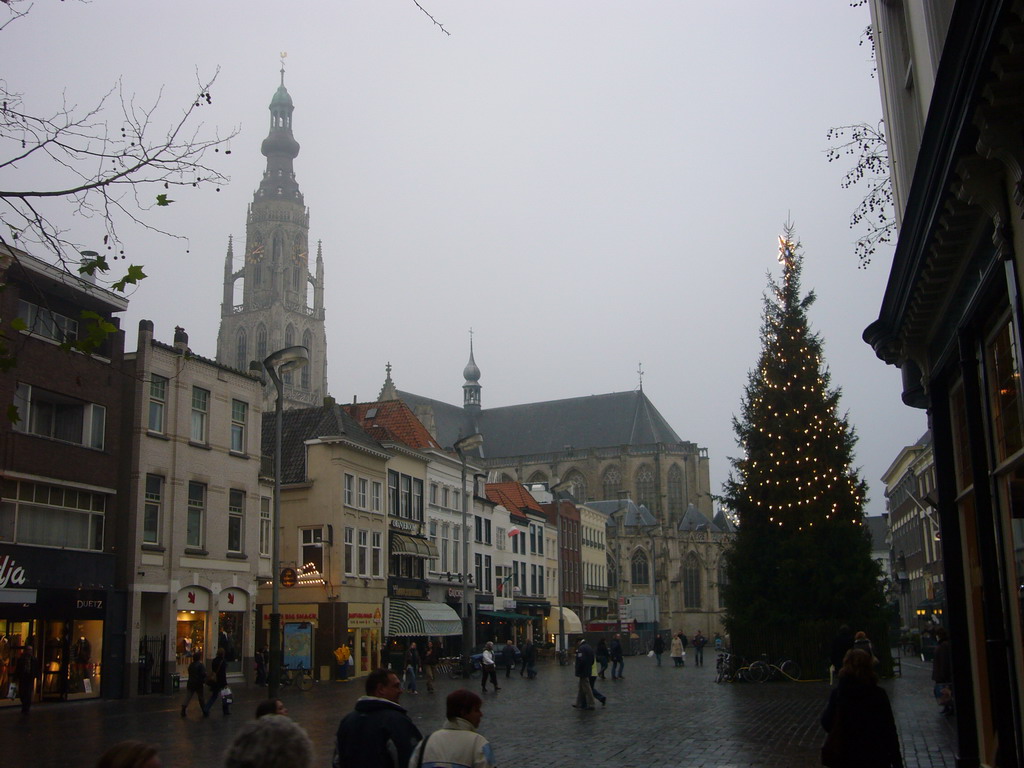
(281, 301)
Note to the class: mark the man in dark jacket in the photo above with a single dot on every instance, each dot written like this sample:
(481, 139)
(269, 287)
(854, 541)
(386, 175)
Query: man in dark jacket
(508, 657)
(584, 666)
(194, 686)
(615, 651)
(26, 670)
(379, 733)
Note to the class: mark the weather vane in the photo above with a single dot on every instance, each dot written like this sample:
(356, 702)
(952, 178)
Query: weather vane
(284, 55)
(640, 373)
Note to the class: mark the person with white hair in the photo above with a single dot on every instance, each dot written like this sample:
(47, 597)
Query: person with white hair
(272, 741)
(488, 671)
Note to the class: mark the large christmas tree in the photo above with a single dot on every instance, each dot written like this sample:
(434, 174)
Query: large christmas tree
(801, 564)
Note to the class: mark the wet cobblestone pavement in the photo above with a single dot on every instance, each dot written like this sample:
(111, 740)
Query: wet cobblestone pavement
(654, 717)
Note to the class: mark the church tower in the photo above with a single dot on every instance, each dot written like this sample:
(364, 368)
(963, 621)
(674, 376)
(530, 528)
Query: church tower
(282, 302)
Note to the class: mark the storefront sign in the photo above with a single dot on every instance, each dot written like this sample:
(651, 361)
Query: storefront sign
(294, 613)
(11, 574)
(455, 593)
(193, 599)
(407, 588)
(404, 525)
(363, 615)
(233, 599)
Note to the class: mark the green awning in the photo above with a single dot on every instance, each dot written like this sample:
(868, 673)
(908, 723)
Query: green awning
(401, 544)
(421, 618)
(507, 615)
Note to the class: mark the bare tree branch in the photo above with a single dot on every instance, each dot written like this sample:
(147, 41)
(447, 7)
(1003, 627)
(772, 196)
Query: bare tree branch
(438, 23)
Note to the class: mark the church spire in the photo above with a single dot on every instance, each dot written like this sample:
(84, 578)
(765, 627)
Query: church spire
(471, 389)
(389, 391)
(280, 148)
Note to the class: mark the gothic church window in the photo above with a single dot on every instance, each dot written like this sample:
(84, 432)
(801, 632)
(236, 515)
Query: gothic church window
(577, 486)
(611, 483)
(538, 477)
(289, 341)
(645, 491)
(638, 568)
(307, 342)
(691, 581)
(261, 343)
(296, 278)
(242, 355)
(723, 582)
(675, 490)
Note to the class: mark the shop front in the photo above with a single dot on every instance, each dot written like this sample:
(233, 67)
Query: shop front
(192, 624)
(310, 634)
(365, 622)
(233, 628)
(69, 629)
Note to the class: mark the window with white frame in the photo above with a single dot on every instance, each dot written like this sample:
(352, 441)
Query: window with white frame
(350, 490)
(59, 417)
(432, 535)
(362, 486)
(46, 323)
(375, 494)
(444, 546)
(151, 509)
(236, 519)
(433, 493)
(265, 530)
(350, 554)
(157, 403)
(500, 540)
(363, 553)
(239, 415)
(311, 548)
(51, 515)
(195, 516)
(445, 494)
(456, 538)
(487, 573)
(377, 553)
(200, 415)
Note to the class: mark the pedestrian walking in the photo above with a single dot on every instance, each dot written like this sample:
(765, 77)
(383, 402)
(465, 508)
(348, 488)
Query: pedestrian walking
(658, 647)
(603, 655)
(615, 651)
(487, 671)
(530, 659)
(430, 658)
(457, 742)
(26, 670)
(262, 655)
(194, 686)
(130, 754)
(378, 733)
(593, 683)
(676, 652)
(273, 741)
(942, 672)
(584, 668)
(859, 720)
(863, 642)
(699, 641)
(218, 682)
(508, 657)
(685, 641)
(411, 666)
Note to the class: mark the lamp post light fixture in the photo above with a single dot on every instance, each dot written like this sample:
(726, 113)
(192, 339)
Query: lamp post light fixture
(287, 359)
(461, 447)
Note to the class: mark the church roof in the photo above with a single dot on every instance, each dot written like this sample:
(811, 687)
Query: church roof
(392, 421)
(301, 424)
(632, 514)
(593, 421)
(724, 523)
(695, 520)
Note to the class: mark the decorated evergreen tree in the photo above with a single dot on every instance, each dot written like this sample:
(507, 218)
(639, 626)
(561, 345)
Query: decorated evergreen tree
(801, 564)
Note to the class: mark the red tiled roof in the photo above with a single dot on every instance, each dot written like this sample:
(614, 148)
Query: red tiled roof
(392, 421)
(514, 497)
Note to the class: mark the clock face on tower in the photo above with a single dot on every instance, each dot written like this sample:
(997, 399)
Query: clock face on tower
(299, 258)
(256, 254)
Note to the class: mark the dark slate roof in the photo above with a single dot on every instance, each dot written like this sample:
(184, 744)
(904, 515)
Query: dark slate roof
(723, 522)
(301, 424)
(695, 520)
(878, 528)
(633, 515)
(595, 421)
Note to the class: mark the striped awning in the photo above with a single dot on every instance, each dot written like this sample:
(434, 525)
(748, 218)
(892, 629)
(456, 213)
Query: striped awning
(569, 619)
(421, 618)
(401, 544)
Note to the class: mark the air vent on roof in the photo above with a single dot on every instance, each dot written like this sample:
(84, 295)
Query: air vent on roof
(371, 413)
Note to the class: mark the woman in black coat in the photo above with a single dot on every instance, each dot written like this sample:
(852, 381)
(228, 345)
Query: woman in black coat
(858, 718)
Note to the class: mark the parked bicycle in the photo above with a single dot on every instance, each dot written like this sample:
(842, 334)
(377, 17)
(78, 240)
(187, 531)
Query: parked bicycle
(454, 666)
(300, 677)
(762, 670)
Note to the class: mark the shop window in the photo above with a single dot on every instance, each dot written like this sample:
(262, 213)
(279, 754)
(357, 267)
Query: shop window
(151, 511)
(57, 416)
(157, 403)
(200, 415)
(195, 515)
(312, 549)
(190, 638)
(239, 416)
(265, 530)
(236, 517)
(52, 516)
(1004, 374)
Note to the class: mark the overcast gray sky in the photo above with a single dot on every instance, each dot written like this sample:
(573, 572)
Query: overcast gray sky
(588, 184)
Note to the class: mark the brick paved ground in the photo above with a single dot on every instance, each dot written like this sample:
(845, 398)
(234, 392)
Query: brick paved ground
(655, 717)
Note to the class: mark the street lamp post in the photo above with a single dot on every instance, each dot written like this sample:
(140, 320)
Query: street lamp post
(554, 489)
(288, 358)
(461, 447)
